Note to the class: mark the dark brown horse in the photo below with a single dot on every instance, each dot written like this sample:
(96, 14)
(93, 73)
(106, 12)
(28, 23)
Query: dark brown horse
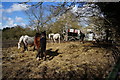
(40, 43)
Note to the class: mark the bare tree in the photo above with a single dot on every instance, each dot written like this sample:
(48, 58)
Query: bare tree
(35, 14)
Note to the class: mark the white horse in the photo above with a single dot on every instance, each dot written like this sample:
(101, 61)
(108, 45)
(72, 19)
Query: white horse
(26, 41)
(54, 37)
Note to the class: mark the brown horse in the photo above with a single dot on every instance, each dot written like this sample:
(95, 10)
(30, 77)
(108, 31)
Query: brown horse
(40, 43)
(37, 41)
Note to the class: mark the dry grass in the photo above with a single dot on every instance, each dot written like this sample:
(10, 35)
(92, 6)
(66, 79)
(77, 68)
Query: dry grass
(64, 60)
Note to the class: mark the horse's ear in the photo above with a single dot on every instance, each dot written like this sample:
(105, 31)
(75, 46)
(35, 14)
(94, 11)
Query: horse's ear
(37, 34)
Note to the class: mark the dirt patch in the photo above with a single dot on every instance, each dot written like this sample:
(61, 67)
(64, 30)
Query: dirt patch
(65, 60)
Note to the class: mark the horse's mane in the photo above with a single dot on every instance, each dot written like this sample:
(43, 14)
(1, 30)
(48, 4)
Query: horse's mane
(21, 38)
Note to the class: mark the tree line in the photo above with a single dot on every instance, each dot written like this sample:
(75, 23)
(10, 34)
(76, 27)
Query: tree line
(14, 33)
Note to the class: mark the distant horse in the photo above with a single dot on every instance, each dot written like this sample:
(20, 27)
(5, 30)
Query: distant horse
(54, 37)
(82, 36)
(50, 36)
(40, 42)
(26, 41)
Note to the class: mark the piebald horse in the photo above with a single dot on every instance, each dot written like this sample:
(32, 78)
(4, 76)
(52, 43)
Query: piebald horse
(54, 37)
(26, 41)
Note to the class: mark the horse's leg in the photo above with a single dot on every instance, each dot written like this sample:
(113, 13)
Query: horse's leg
(83, 39)
(27, 48)
(26, 44)
(44, 54)
(59, 39)
(34, 48)
(18, 45)
(24, 47)
(51, 39)
(38, 54)
(54, 40)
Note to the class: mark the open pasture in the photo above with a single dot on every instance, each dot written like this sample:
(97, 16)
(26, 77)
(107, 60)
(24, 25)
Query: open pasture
(64, 60)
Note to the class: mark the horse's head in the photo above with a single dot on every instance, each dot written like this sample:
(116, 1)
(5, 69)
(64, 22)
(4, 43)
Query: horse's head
(18, 45)
(37, 35)
(20, 40)
(43, 34)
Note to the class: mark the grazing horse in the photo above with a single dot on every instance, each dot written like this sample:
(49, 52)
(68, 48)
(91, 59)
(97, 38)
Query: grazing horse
(40, 42)
(54, 37)
(26, 41)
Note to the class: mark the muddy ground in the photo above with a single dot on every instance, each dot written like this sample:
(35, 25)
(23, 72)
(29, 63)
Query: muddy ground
(70, 60)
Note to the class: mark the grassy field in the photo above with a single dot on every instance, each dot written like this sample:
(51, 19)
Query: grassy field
(65, 60)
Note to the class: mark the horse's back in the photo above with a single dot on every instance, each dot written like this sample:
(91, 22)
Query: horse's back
(30, 40)
(56, 36)
(26, 36)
